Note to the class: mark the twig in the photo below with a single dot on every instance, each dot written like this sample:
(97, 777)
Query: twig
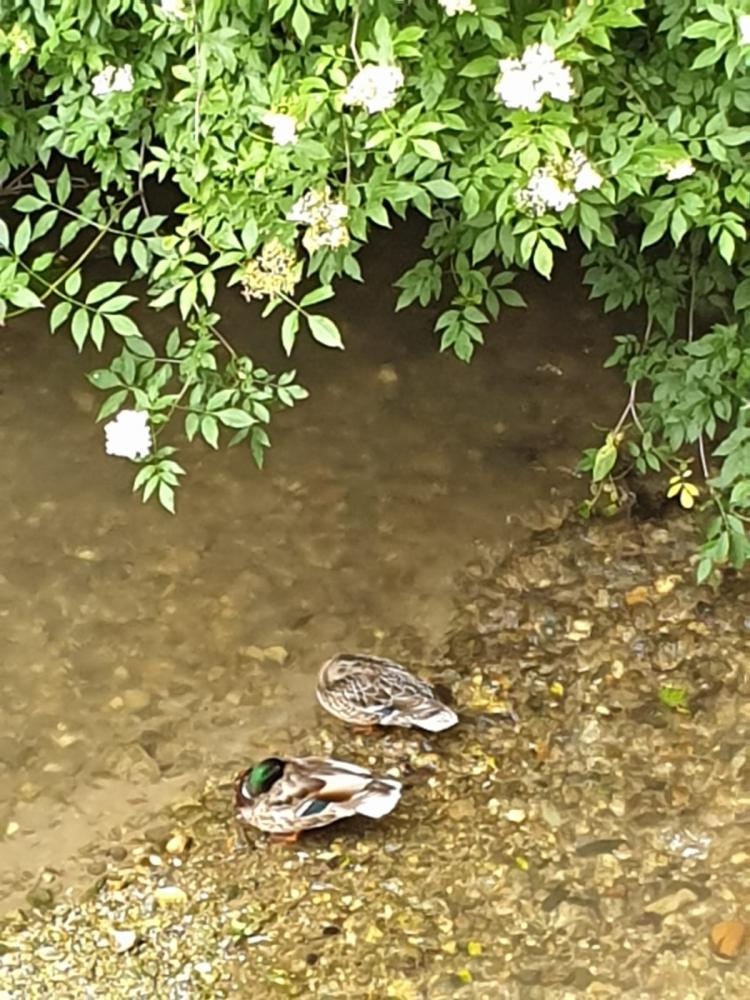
(353, 39)
(702, 455)
(199, 87)
(630, 408)
(141, 192)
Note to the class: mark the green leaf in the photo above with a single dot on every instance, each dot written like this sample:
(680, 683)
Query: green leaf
(166, 496)
(543, 259)
(62, 187)
(742, 294)
(103, 378)
(138, 345)
(428, 148)
(192, 425)
(325, 331)
(318, 295)
(59, 314)
(118, 303)
(484, 244)
(442, 188)
(4, 235)
(207, 283)
(123, 325)
(41, 187)
(289, 329)
(654, 231)
(103, 291)
(604, 460)
(28, 203)
(24, 298)
(112, 404)
(249, 235)
(482, 66)
(234, 417)
(44, 223)
(726, 245)
(79, 328)
(97, 331)
(510, 297)
(188, 295)
(22, 237)
(210, 431)
(72, 284)
(301, 22)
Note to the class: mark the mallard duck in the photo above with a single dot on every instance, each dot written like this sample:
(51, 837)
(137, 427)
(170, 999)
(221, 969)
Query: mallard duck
(284, 797)
(372, 691)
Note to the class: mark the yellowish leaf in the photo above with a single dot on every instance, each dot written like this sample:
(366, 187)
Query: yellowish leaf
(687, 499)
(674, 487)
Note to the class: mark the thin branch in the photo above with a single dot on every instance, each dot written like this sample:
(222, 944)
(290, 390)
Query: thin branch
(353, 39)
(630, 408)
(199, 87)
(141, 192)
(691, 303)
(702, 455)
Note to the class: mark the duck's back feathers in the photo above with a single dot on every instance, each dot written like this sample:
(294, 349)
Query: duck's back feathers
(371, 690)
(316, 791)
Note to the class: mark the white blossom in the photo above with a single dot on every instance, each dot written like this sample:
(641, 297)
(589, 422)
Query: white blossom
(283, 128)
(112, 79)
(545, 192)
(516, 87)
(680, 169)
(374, 88)
(524, 82)
(128, 435)
(453, 7)
(174, 8)
(584, 176)
(743, 25)
(325, 219)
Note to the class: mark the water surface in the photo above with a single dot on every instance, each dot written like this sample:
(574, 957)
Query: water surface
(139, 650)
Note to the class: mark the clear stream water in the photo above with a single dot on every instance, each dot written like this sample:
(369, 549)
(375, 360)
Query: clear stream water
(137, 649)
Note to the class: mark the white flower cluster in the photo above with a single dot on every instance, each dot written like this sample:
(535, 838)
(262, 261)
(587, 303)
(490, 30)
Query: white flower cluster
(374, 88)
(174, 8)
(545, 191)
(743, 25)
(113, 79)
(453, 7)
(283, 128)
(680, 169)
(555, 189)
(273, 273)
(128, 435)
(524, 82)
(579, 172)
(324, 218)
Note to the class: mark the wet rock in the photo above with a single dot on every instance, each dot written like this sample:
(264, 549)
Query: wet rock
(672, 902)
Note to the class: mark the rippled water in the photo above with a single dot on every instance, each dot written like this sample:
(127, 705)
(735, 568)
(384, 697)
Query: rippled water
(139, 649)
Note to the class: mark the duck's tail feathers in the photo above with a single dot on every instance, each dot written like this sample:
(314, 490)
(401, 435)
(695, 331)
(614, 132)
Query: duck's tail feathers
(434, 717)
(379, 798)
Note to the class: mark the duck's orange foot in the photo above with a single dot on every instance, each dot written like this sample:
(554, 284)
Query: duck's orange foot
(367, 730)
(285, 838)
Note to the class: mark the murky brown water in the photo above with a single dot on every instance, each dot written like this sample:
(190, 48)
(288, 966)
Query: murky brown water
(139, 650)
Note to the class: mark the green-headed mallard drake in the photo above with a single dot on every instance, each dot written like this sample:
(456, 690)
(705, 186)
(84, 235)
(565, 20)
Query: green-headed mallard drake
(372, 691)
(284, 797)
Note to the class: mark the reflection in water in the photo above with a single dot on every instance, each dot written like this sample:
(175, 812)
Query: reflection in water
(139, 650)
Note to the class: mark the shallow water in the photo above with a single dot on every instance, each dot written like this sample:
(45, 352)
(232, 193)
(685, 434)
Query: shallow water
(138, 650)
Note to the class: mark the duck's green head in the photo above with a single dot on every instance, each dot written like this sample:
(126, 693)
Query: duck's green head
(258, 779)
